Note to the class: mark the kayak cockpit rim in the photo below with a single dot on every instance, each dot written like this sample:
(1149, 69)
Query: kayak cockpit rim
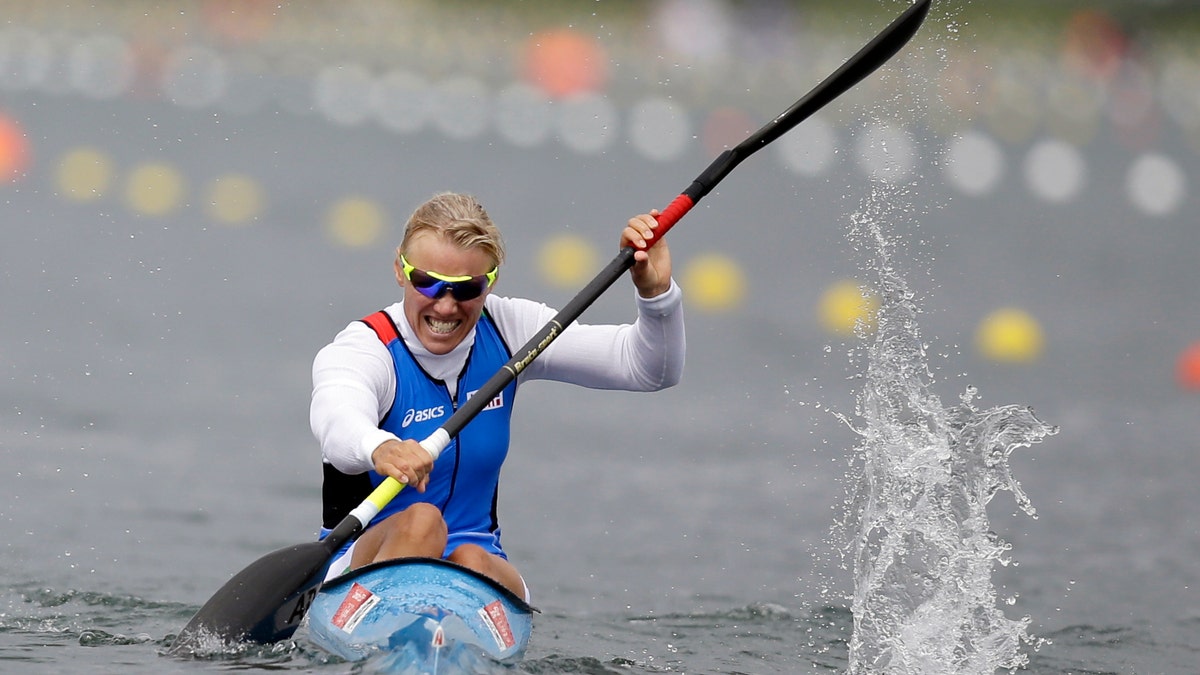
(351, 575)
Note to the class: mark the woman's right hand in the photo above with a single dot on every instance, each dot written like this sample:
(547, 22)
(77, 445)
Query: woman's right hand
(406, 461)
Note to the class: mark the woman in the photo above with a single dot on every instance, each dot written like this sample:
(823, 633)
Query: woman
(391, 379)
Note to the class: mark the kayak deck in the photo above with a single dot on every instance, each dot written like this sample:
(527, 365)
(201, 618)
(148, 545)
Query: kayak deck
(422, 612)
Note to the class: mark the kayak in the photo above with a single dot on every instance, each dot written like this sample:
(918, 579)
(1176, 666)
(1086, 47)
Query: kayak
(422, 615)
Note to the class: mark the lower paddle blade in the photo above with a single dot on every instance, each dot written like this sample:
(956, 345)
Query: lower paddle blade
(263, 603)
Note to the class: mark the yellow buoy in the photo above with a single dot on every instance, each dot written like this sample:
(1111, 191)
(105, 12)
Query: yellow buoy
(713, 283)
(235, 199)
(155, 189)
(844, 305)
(567, 261)
(355, 222)
(84, 174)
(1009, 335)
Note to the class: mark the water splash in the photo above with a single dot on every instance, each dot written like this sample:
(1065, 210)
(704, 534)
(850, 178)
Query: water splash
(919, 538)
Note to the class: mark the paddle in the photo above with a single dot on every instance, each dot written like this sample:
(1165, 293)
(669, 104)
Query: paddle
(266, 601)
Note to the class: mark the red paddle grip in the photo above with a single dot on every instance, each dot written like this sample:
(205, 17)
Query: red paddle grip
(671, 215)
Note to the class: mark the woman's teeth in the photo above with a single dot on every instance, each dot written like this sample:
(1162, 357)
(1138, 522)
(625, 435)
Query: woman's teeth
(441, 327)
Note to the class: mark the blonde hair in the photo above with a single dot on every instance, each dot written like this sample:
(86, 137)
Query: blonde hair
(458, 218)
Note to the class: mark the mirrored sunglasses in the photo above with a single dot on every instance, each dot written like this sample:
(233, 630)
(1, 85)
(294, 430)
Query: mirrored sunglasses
(434, 285)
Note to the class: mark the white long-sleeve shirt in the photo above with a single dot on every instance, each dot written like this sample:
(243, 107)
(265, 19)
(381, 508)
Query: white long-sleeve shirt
(354, 379)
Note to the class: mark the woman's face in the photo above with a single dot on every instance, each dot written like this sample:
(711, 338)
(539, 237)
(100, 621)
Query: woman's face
(442, 323)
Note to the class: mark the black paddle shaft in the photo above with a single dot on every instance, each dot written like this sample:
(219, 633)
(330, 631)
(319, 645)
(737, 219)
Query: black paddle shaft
(866, 61)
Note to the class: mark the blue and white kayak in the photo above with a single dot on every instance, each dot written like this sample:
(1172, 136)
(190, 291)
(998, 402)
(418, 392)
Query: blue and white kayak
(426, 615)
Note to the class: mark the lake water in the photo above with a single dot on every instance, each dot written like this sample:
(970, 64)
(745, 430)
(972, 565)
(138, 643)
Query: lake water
(153, 400)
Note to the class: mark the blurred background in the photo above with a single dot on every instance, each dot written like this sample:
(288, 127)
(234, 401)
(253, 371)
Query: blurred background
(303, 117)
(196, 196)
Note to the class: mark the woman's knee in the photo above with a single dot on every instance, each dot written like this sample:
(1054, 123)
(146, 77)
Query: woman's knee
(493, 566)
(418, 530)
(472, 556)
(419, 521)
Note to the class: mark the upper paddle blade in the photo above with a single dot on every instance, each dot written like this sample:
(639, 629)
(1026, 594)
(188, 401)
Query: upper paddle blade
(263, 603)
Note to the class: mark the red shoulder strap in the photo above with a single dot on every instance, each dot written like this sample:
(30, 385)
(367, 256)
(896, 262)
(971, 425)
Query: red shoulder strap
(382, 324)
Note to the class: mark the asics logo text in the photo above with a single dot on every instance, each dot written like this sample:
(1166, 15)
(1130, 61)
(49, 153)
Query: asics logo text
(422, 415)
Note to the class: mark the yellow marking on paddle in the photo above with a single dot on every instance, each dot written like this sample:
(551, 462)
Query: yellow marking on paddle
(385, 493)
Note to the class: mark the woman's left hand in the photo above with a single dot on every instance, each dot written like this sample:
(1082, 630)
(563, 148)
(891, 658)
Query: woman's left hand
(651, 270)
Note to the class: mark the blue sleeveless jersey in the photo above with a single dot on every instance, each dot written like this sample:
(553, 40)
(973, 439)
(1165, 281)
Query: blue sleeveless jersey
(465, 479)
